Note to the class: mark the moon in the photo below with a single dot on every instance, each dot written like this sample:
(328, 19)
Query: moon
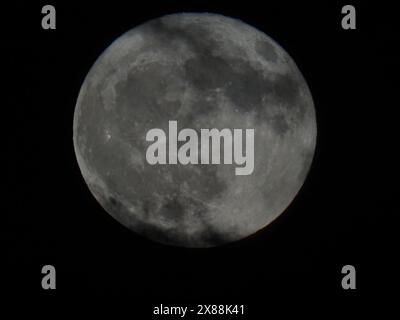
(204, 71)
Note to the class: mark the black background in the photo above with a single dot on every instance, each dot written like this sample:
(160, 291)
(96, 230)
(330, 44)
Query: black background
(342, 215)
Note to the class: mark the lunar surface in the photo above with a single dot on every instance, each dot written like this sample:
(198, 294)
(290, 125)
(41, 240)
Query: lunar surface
(203, 71)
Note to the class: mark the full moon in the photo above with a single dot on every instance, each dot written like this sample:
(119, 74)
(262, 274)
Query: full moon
(201, 70)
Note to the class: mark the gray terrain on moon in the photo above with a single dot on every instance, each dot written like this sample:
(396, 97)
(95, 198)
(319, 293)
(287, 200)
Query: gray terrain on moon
(205, 71)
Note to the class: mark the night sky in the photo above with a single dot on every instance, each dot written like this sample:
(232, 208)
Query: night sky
(342, 215)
